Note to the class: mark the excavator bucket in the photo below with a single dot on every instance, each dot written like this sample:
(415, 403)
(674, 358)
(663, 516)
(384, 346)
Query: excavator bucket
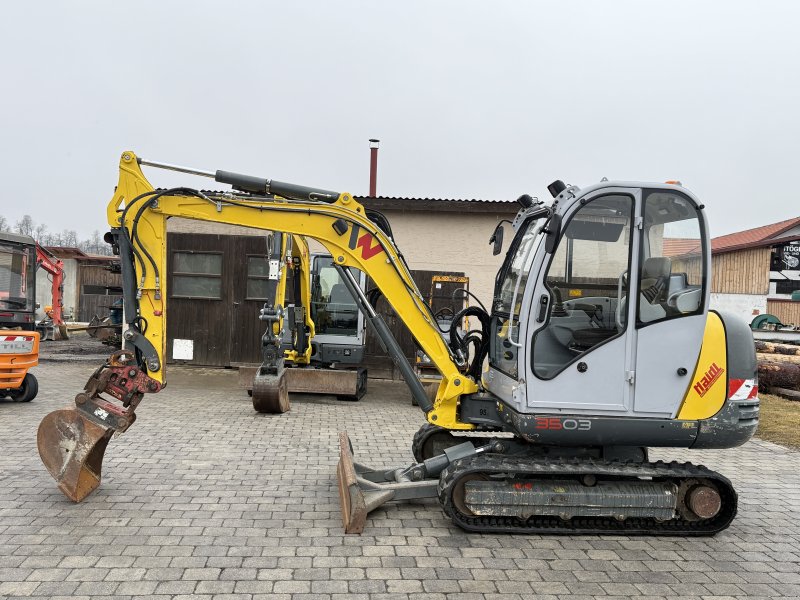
(351, 498)
(73, 440)
(270, 393)
(71, 447)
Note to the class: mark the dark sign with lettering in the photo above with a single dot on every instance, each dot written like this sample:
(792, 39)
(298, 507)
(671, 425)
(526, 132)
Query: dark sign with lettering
(791, 256)
(786, 257)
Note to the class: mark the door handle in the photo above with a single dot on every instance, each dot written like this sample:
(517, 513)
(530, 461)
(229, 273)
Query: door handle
(543, 301)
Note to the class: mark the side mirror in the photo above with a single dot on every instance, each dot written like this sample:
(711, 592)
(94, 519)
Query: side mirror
(553, 230)
(497, 239)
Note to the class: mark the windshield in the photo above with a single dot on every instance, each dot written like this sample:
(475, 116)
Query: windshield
(515, 270)
(333, 309)
(16, 280)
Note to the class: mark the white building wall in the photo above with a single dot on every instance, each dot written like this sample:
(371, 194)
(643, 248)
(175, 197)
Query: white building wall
(452, 242)
(745, 306)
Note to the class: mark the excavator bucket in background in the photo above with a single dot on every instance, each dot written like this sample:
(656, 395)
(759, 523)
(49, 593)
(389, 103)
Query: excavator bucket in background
(270, 392)
(72, 446)
(72, 441)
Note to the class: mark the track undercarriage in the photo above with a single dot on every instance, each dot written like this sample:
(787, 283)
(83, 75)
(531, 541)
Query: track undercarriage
(508, 486)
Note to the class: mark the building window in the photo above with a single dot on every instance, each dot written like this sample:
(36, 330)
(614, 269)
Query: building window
(197, 275)
(258, 278)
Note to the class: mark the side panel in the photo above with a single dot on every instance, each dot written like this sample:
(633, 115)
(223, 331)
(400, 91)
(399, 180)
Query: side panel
(707, 392)
(664, 349)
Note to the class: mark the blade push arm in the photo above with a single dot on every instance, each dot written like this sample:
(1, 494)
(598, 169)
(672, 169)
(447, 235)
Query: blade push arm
(139, 213)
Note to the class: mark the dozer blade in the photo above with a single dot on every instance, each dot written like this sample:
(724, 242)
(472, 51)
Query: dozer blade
(72, 446)
(351, 498)
(362, 489)
(270, 393)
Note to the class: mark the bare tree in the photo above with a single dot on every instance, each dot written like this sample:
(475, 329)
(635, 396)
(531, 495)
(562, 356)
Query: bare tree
(25, 226)
(40, 234)
(95, 245)
(4, 224)
(69, 238)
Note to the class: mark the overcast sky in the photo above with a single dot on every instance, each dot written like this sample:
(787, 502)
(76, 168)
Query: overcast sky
(470, 99)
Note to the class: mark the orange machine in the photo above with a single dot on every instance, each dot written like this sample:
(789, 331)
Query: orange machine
(19, 343)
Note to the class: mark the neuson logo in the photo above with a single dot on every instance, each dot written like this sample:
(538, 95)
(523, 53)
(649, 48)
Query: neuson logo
(365, 243)
(714, 372)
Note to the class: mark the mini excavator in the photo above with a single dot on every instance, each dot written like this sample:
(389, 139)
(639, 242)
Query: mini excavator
(313, 333)
(599, 343)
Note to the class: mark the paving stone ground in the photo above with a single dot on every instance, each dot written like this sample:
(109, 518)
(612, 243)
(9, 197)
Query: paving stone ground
(203, 497)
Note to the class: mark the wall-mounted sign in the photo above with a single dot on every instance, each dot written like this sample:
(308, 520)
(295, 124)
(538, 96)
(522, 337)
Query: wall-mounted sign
(784, 268)
(786, 257)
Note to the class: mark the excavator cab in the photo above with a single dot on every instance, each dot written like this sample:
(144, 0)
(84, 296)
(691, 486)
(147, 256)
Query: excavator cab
(619, 306)
(19, 343)
(339, 325)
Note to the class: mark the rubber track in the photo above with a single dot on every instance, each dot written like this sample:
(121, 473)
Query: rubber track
(609, 470)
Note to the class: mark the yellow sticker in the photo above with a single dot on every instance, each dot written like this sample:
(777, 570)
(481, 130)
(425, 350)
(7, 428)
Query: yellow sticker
(576, 293)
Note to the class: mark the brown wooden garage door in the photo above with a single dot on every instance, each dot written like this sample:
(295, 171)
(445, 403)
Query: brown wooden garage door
(216, 289)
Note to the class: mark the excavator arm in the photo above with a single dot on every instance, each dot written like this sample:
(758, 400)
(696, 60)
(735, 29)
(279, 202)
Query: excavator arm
(298, 259)
(72, 441)
(55, 267)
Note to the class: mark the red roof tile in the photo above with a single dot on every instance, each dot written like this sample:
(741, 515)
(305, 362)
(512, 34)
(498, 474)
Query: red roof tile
(753, 238)
(680, 246)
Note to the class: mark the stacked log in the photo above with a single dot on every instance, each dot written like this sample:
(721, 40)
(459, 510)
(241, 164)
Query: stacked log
(779, 369)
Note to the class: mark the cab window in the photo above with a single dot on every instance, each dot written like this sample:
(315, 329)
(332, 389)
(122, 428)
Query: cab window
(587, 282)
(671, 267)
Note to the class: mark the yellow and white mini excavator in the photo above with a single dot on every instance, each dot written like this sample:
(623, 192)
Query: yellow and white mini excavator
(319, 334)
(599, 344)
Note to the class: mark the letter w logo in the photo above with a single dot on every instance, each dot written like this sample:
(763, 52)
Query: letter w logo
(365, 243)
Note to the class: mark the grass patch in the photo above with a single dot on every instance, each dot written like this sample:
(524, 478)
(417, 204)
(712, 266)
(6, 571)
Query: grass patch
(779, 420)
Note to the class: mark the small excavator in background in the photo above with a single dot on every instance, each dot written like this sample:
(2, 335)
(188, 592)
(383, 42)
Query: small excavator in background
(52, 327)
(598, 344)
(309, 339)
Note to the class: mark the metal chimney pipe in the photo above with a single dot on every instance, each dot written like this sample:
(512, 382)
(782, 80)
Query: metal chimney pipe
(373, 167)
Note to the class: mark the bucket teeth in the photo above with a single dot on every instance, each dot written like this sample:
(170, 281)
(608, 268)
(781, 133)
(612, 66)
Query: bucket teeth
(354, 509)
(71, 447)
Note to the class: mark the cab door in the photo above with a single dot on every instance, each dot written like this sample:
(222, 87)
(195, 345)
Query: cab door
(580, 336)
(671, 303)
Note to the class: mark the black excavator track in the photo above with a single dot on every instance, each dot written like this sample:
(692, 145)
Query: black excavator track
(487, 466)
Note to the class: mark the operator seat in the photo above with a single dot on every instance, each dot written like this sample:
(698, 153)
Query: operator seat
(340, 295)
(340, 306)
(653, 288)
